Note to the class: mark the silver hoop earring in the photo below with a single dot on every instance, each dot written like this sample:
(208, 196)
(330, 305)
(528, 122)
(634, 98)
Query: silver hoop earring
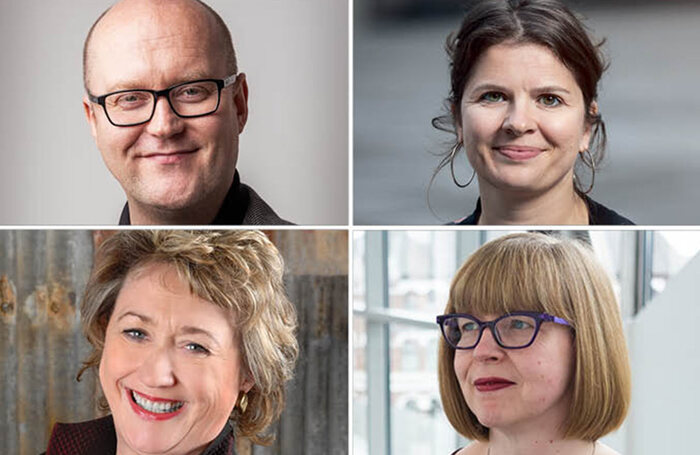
(452, 168)
(587, 160)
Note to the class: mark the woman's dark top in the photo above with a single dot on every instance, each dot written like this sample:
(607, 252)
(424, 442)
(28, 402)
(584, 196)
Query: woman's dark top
(598, 214)
(99, 437)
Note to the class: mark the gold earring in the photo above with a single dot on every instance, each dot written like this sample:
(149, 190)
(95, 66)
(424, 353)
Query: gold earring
(242, 402)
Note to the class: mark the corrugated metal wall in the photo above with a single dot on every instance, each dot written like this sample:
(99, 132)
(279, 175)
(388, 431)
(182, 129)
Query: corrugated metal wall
(42, 278)
(315, 420)
(42, 273)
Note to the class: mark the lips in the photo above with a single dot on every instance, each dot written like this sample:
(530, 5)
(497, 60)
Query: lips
(492, 384)
(153, 408)
(169, 157)
(518, 152)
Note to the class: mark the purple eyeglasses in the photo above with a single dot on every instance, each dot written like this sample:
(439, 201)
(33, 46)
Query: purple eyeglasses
(515, 330)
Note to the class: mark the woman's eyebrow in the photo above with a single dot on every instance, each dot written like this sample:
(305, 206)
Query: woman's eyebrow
(487, 86)
(192, 330)
(550, 89)
(143, 317)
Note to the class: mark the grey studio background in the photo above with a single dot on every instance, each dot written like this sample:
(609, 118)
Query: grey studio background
(648, 99)
(293, 150)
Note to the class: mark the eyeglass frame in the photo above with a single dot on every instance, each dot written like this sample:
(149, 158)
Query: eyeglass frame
(220, 83)
(538, 317)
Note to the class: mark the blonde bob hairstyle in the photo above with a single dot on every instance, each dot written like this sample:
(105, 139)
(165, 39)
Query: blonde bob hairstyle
(537, 272)
(239, 271)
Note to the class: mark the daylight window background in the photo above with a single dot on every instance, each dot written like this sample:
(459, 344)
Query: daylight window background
(401, 282)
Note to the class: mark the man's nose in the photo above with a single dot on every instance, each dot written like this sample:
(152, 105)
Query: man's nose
(157, 369)
(165, 122)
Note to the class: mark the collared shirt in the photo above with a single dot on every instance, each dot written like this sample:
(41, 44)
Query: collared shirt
(99, 437)
(241, 206)
(598, 214)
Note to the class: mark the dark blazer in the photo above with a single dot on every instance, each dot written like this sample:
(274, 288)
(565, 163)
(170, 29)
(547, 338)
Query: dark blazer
(242, 206)
(598, 214)
(98, 437)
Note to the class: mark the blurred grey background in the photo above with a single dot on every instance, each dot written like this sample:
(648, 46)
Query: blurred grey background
(293, 151)
(648, 98)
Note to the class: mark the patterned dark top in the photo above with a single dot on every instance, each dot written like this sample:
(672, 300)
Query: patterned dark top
(99, 437)
(598, 214)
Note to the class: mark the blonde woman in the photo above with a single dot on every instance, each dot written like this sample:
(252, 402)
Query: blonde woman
(533, 358)
(193, 341)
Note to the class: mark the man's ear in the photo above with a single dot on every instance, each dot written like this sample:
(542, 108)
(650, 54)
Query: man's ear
(240, 100)
(90, 116)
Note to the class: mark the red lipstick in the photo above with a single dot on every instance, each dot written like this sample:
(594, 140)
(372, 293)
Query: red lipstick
(149, 415)
(491, 384)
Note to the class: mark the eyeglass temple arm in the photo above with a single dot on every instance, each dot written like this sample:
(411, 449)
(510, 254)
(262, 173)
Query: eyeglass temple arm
(549, 317)
(230, 80)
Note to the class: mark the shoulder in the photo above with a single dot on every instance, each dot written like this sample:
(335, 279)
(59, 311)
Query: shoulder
(601, 215)
(92, 436)
(259, 212)
(475, 448)
(602, 449)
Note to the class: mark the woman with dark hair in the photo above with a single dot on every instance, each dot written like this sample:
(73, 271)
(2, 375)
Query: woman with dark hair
(523, 105)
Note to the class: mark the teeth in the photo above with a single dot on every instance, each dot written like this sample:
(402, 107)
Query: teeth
(158, 407)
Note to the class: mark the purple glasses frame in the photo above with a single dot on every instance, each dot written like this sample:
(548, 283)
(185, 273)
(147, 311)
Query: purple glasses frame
(538, 317)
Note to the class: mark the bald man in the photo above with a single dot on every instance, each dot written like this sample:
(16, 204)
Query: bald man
(165, 104)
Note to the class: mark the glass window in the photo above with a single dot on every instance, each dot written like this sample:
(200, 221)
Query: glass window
(416, 410)
(420, 266)
(671, 251)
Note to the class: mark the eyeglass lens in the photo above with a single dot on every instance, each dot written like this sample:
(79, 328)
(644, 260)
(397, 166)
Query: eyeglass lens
(513, 331)
(188, 100)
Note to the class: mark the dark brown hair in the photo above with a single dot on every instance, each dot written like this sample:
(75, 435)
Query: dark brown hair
(546, 23)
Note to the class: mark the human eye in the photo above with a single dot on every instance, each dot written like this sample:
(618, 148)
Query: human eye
(131, 100)
(134, 334)
(192, 93)
(550, 100)
(470, 326)
(492, 97)
(197, 348)
(520, 324)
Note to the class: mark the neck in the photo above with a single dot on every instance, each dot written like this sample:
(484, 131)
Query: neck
(559, 205)
(537, 443)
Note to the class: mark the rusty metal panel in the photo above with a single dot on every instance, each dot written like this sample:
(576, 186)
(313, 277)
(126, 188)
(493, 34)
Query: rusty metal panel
(42, 273)
(315, 420)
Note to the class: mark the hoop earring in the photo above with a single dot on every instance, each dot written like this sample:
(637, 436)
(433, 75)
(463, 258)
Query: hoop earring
(452, 168)
(589, 164)
(242, 402)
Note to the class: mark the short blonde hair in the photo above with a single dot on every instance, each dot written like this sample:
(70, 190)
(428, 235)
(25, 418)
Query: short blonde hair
(240, 271)
(537, 272)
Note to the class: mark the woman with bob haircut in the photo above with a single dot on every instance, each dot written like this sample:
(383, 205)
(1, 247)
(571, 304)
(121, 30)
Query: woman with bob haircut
(533, 358)
(193, 340)
(523, 105)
